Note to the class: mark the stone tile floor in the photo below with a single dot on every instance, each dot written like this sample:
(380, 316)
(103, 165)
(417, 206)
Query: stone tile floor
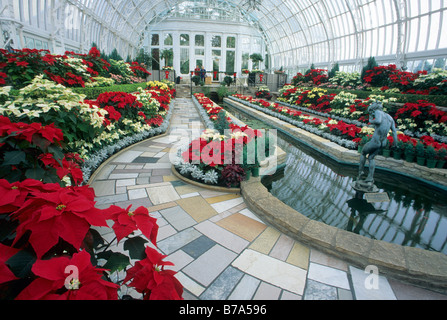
(220, 249)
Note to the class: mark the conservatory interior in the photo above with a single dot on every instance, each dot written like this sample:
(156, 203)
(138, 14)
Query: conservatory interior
(223, 150)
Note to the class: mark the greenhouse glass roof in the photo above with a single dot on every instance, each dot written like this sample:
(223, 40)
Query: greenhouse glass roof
(296, 32)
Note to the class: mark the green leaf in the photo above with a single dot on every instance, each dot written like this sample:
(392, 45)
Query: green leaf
(14, 158)
(136, 247)
(21, 263)
(115, 261)
(35, 173)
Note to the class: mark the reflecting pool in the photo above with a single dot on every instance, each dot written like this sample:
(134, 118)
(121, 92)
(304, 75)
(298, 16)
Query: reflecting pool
(320, 188)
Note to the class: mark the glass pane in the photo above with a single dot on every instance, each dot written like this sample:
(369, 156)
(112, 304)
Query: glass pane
(216, 42)
(200, 52)
(184, 39)
(230, 61)
(231, 42)
(155, 40)
(200, 40)
(155, 59)
(184, 61)
(168, 40)
(217, 53)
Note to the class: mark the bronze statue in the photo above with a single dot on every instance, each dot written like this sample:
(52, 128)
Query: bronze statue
(383, 123)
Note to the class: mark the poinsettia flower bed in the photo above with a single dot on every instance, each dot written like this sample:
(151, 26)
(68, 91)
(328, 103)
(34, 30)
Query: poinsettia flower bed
(415, 119)
(348, 135)
(220, 157)
(19, 67)
(50, 248)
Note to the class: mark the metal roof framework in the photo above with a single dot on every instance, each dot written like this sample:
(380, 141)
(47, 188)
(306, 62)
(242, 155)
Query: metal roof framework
(297, 33)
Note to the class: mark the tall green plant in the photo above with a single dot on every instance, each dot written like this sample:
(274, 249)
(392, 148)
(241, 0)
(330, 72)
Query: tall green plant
(369, 66)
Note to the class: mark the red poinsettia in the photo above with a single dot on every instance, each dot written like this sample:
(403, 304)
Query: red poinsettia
(149, 278)
(58, 213)
(65, 278)
(126, 222)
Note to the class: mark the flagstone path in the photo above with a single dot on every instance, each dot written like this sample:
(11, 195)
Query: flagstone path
(222, 250)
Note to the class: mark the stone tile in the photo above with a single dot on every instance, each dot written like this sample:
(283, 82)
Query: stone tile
(226, 205)
(197, 207)
(127, 156)
(211, 193)
(271, 270)
(327, 260)
(175, 242)
(266, 241)
(319, 291)
(282, 248)
(162, 194)
(125, 182)
(189, 284)
(299, 256)
(405, 291)
(344, 294)
(111, 199)
(166, 165)
(250, 214)
(165, 232)
(199, 246)
(104, 188)
(137, 194)
(222, 198)
(170, 178)
(222, 236)
(286, 295)
(361, 292)
(156, 179)
(162, 206)
(186, 189)
(180, 259)
(190, 195)
(246, 288)
(267, 292)
(243, 226)
(329, 276)
(135, 203)
(178, 218)
(119, 176)
(209, 265)
(105, 172)
(221, 288)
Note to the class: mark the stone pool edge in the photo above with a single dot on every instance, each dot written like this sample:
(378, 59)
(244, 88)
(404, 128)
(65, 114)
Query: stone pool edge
(418, 266)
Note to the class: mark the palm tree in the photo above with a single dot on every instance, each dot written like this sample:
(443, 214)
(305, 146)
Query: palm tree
(167, 54)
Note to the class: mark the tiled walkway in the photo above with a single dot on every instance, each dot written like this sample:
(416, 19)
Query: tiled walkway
(220, 249)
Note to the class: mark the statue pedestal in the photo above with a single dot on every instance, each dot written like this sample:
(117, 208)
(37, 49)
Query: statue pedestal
(363, 186)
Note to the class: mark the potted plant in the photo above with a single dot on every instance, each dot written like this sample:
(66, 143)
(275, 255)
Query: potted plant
(362, 143)
(409, 152)
(431, 157)
(233, 175)
(441, 156)
(398, 151)
(256, 58)
(420, 154)
(386, 152)
(196, 80)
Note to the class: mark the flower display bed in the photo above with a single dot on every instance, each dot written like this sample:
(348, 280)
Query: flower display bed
(51, 139)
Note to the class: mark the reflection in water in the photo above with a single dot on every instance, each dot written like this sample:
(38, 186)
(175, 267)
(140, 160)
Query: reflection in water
(319, 188)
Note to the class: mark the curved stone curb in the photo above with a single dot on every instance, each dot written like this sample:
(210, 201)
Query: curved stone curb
(418, 266)
(202, 185)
